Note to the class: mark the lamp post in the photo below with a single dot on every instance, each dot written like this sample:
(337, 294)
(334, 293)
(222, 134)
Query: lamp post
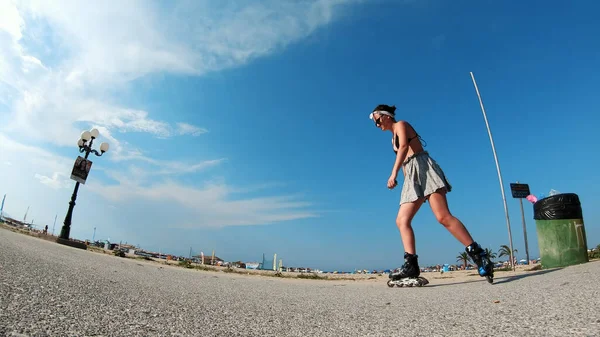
(85, 145)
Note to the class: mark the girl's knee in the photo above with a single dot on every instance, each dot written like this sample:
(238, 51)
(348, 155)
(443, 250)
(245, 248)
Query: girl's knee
(445, 219)
(403, 221)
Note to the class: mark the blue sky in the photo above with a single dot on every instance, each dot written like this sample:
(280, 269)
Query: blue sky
(244, 128)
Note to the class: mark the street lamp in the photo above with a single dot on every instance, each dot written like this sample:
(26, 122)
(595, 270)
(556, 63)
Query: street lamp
(85, 145)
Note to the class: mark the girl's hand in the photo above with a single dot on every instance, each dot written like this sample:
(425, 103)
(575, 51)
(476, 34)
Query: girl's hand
(392, 182)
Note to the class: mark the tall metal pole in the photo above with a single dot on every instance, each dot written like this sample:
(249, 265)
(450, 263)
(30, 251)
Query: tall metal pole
(54, 223)
(2, 206)
(25, 216)
(498, 169)
(524, 228)
(66, 228)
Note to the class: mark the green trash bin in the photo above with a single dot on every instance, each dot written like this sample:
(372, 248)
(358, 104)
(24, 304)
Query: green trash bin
(560, 231)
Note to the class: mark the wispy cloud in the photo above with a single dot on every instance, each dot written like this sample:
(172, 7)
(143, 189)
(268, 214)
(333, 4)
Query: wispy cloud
(63, 62)
(64, 66)
(47, 167)
(165, 200)
(212, 205)
(188, 129)
(168, 169)
(57, 181)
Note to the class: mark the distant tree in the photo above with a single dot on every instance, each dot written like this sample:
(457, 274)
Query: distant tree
(505, 251)
(594, 253)
(464, 258)
(490, 253)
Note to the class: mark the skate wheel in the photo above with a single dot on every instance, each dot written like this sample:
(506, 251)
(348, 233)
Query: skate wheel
(421, 282)
(390, 284)
(490, 279)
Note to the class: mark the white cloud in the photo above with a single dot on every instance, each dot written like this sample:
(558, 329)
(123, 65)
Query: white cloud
(207, 204)
(10, 20)
(188, 129)
(66, 65)
(141, 176)
(177, 167)
(95, 51)
(58, 180)
(213, 205)
(42, 161)
(120, 119)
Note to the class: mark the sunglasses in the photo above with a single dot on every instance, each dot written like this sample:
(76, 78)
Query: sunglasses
(378, 121)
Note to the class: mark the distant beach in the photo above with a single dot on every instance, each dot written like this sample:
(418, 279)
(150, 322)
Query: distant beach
(457, 276)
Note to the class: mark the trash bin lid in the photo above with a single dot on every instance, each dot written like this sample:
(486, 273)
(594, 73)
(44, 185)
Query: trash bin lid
(558, 206)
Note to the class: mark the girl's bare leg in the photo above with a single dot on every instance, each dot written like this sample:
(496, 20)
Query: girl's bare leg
(439, 206)
(406, 213)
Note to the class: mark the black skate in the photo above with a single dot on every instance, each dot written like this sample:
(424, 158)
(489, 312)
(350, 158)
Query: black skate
(485, 267)
(408, 274)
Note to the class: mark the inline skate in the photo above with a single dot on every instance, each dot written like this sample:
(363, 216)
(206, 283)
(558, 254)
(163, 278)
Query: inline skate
(408, 274)
(485, 267)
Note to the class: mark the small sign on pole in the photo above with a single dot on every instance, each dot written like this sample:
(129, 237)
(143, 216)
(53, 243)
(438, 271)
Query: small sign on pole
(81, 169)
(519, 190)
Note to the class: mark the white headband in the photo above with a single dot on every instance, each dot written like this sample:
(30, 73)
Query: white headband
(380, 112)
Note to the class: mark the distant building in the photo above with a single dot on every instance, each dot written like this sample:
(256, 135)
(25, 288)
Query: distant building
(16, 223)
(208, 259)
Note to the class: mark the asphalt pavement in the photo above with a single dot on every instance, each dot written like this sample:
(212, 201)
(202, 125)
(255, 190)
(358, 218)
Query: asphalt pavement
(48, 289)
